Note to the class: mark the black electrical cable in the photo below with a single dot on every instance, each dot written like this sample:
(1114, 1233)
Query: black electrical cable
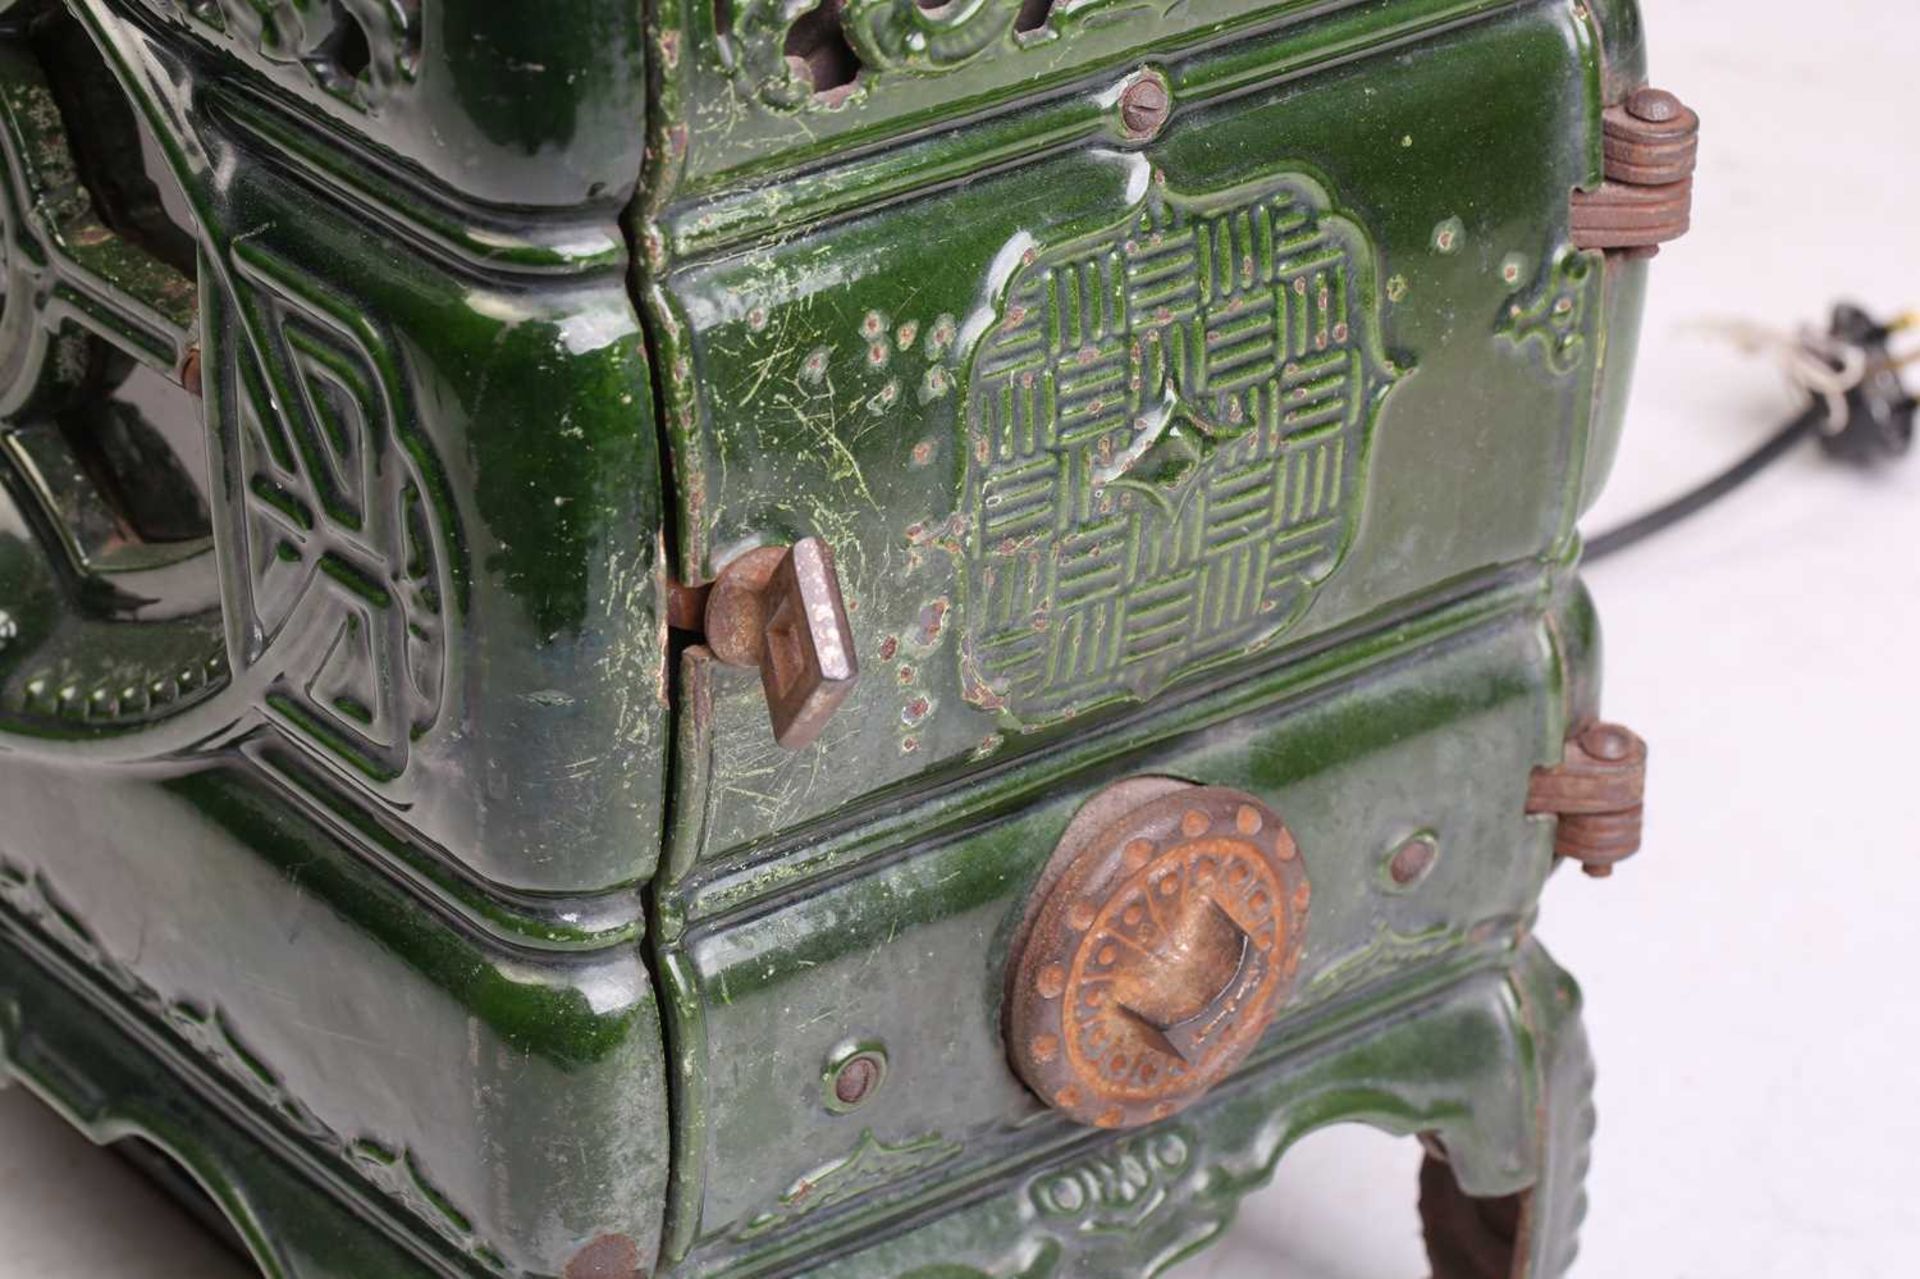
(1876, 428)
(1639, 529)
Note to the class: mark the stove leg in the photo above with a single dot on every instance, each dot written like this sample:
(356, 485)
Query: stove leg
(1531, 1234)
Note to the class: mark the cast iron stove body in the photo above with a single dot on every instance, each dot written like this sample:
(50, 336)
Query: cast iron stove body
(873, 641)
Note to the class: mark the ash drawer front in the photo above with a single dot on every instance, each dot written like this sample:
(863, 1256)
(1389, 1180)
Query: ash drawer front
(897, 953)
(1086, 416)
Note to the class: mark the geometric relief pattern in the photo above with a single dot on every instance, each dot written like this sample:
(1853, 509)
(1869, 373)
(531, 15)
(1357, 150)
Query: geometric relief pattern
(1555, 318)
(1168, 426)
(904, 39)
(341, 582)
(359, 51)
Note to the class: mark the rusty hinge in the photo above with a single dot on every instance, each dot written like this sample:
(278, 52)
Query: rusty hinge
(778, 608)
(1598, 791)
(1652, 142)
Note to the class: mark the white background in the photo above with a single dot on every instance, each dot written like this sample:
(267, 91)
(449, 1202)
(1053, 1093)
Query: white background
(1751, 977)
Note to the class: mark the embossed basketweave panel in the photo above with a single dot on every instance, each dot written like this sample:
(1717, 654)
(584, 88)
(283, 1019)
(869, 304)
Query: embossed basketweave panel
(1167, 434)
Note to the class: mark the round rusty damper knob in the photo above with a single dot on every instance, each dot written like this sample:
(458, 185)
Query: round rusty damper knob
(1165, 933)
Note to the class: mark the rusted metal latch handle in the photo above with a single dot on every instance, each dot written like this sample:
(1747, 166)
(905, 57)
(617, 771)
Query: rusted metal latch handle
(779, 608)
(1189, 1037)
(1598, 791)
(1651, 143)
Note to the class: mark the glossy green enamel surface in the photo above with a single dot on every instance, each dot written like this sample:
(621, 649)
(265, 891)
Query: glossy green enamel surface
(374, 852)
(1435, 733)
(841, 350)
(365, 866)
(832, 383)
(393, 1046)
(1430, 1059)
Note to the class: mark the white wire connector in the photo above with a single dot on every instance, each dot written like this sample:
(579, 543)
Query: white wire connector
(1814, 363)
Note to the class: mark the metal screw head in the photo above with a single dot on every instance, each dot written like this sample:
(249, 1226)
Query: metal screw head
(853, 1076)
(855, 1080)
(1412, 860)
(1144, 105)
(1608, 742)
(1655, 106)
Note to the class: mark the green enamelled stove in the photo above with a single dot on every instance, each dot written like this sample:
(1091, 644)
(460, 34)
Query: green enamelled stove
(864, 638)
